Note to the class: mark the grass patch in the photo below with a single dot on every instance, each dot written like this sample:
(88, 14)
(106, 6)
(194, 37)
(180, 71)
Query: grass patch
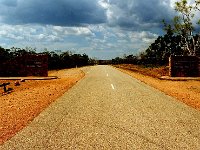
(148, 70)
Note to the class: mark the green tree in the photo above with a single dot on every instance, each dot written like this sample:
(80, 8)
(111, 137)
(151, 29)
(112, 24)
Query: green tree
(183, 26)
(4, 55)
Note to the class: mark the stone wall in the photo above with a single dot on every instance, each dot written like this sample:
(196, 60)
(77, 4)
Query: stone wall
(27, 65)
(184, 66)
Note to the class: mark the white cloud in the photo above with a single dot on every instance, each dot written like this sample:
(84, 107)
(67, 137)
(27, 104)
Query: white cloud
(144, 36)
(80, 31)
(104, 3)
(45, 33)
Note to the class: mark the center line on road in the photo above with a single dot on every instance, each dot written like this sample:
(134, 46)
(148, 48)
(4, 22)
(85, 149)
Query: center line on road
(112, 86)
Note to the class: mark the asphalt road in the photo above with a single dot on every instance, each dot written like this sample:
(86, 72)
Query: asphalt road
(108, 109)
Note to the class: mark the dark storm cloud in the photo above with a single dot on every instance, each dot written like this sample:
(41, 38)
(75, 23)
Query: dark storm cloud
(129, 14)
(54, 12)
(139, 14)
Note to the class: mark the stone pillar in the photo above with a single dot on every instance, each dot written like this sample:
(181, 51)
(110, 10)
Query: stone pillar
(170, 66)
(199, 66)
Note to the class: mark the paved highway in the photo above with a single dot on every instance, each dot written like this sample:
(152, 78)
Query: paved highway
(108, 109)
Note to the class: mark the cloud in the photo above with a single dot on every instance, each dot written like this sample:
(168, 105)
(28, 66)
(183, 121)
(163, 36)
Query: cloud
(42, 33)
(144, 36)
(71, 31)
(103, 28)
(128, 14)
(137, 14)
(60, 12)
(9, 3)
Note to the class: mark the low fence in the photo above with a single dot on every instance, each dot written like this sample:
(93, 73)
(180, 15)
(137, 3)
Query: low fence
(184, 66)
(27, 65)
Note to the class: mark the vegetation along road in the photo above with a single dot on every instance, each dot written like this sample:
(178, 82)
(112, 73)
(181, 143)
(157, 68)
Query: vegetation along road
(108, 109)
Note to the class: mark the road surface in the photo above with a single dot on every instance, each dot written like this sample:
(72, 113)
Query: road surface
(108, 109)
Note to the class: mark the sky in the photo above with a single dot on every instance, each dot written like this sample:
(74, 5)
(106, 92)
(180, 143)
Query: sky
(103, 29)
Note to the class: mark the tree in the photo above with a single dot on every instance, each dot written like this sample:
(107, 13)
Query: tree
(183, 25)
(4, 55)
(130, 59)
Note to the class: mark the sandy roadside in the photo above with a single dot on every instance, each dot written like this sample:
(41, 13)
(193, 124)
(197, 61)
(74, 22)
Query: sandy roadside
(26, 101)
(187, 92)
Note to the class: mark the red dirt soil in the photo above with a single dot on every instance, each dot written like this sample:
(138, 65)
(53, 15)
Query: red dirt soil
(26, 101)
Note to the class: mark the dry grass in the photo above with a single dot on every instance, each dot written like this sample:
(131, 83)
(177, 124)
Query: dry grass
(187, 92)
(26, 101)
(155, 72)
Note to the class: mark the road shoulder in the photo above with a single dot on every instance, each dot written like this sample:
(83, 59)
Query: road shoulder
(187, 92)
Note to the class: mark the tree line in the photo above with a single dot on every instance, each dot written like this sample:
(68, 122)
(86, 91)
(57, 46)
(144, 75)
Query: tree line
(56, 60)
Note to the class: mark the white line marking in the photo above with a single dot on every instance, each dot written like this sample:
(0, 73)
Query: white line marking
(112, 86)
